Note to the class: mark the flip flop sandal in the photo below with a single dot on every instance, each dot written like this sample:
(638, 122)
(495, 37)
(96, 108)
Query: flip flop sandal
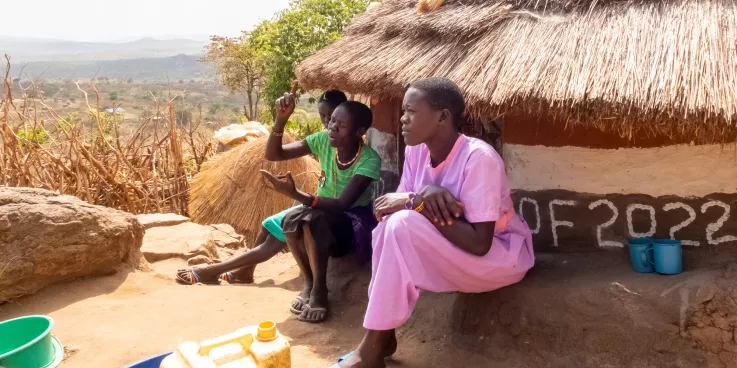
(228, 277)
(295, 310)
(307, 308)
(344, 357)
(194, 279)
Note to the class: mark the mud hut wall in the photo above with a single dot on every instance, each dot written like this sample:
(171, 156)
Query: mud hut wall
(585, 189)
(386, 139)
(545, 129)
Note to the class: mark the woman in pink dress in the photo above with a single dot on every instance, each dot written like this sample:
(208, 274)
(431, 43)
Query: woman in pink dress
(451, 226)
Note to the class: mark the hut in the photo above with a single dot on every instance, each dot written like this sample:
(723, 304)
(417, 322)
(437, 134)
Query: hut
(616, 119)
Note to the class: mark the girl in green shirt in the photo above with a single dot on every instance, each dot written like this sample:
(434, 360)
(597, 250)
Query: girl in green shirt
(271, 240)
(339, 218)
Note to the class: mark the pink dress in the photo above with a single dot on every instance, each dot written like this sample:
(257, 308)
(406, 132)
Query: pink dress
(411, 255)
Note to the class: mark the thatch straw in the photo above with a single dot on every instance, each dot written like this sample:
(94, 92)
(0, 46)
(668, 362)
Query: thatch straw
(426, 6)
(630, 66)
(229, 188)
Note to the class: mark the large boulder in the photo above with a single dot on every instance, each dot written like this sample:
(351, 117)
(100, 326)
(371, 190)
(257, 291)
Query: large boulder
(47, 238)
(151, 220)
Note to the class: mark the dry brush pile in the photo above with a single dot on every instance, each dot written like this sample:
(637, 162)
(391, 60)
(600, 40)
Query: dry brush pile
(145, 170)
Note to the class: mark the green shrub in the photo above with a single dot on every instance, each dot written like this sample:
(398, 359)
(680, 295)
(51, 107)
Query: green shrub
(27, 135)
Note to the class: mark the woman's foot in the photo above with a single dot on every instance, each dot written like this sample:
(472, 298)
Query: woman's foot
(303, 299)
(317, 309)
(376, 347)
(193, 276)
(243, 275)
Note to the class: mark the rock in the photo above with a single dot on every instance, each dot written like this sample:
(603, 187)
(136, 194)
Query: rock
(711, 325)
(47, 238)
(161, 219)
(188, 240)
(198, 260)
(590, 308)
(709, 337)
(226, 237)
(729, 359)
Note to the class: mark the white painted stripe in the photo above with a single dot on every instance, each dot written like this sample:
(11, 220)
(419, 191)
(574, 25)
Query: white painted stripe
(674, 170)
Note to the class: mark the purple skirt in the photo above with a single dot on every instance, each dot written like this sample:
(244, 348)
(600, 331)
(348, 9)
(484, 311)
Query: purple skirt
(339, 233)
(364, 222)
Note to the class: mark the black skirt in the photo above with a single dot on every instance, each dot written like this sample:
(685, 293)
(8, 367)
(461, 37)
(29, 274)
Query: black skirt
(333, 232)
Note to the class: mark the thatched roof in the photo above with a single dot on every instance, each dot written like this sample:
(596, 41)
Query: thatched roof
(632, 66)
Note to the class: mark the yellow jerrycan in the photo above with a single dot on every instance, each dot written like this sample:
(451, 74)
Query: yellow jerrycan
(250, 347)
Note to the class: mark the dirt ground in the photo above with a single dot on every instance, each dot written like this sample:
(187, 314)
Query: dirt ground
(572, 310)
(115, 320)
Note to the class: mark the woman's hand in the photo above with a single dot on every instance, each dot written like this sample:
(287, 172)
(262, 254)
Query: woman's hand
(390, 203)
(285, 106)
(282, 183)
(440, 205)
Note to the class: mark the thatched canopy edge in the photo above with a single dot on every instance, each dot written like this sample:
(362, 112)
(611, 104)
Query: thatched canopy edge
(680, 78)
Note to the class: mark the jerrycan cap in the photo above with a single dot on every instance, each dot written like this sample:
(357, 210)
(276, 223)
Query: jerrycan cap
(266, 331)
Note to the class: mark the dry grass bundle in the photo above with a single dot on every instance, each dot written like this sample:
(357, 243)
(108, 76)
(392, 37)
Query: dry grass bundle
(144, 171)
(632, 67)
(229, 188)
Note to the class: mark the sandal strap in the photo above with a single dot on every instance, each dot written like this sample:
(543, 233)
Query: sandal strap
(193, 276)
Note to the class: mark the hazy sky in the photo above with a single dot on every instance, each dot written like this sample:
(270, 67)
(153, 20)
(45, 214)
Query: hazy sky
(104, 20)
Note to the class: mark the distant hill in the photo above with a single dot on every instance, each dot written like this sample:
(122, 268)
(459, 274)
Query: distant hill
(153, 69)
(31, 49)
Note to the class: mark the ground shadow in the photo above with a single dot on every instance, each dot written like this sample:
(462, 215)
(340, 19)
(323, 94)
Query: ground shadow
(62, 294)
(573, 309)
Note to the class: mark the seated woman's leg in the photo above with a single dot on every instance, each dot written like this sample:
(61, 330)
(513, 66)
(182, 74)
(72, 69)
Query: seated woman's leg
(267, 249)
(408, 256)
(318, 260)
(242, 266)
(295, 242)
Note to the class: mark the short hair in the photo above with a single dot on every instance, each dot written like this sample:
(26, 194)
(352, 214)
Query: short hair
(361, 114)
(333, 97)
(442, 93)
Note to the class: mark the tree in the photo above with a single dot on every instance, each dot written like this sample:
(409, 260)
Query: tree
(240, 67)
(304, 28)
(214, 108)
(113, 96)
(262, 62)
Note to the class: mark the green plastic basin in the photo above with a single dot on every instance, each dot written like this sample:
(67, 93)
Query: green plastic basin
(26, 342)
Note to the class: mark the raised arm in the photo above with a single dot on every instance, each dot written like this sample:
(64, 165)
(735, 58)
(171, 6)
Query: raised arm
(275, 149)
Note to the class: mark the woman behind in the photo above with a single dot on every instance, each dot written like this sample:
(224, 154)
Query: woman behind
(271, 240)
(451, 225)
(339, 218)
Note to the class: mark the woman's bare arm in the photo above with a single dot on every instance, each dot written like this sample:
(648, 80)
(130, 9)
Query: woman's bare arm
(275, 149)
(473, 238)
(350, 195)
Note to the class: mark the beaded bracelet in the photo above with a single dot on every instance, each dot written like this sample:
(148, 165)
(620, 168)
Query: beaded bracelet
(277, 134)
(410, 201)
(420, 207)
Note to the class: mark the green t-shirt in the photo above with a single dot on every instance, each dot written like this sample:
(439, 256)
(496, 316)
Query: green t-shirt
(333, 180)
